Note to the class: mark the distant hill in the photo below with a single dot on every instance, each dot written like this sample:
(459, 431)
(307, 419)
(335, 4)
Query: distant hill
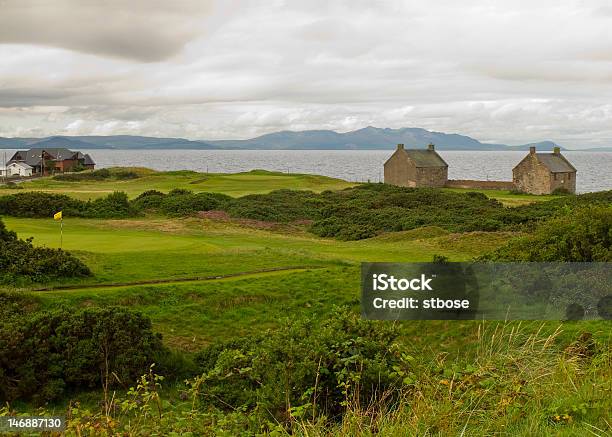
(366, 138)
(138, 142)
(369, 138)
(543, 146)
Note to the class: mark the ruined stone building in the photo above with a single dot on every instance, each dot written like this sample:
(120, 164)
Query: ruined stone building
(416, 168)
(543, 173)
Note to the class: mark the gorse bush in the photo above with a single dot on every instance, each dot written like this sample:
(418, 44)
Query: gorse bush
(97, 175)
(43, 205)
(38, 204)
(351, 214)
(45, 353)
(279, 206)
(582, 234)
(179, 202)
(308, 365)
(21, 261)
(115, 205)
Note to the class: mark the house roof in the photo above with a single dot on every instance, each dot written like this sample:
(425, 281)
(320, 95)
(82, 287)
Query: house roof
(32, 156)
(88, 160)
(556, 163)
(425, 158)
(20, 164)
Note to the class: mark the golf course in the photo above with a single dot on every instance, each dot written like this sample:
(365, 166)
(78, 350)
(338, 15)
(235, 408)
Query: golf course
(210, 277)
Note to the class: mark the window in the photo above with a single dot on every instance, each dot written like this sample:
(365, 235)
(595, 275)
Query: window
(555, 176)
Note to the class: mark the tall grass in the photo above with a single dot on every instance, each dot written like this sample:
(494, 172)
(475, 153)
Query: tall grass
(517, 384)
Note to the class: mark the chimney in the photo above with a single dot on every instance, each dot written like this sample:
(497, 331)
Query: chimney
(400, 147)
(557, 150)
(532, 150)
(431, 147)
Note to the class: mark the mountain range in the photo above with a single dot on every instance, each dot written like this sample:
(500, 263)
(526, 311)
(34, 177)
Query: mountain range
(369, 138)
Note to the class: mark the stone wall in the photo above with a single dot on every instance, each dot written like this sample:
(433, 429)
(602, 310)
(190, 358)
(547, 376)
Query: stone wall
(399, 170)
(431, 176)
(480, 185)
(567, 181)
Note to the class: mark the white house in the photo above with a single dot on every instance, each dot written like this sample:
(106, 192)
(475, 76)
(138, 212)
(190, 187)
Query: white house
(16, 169)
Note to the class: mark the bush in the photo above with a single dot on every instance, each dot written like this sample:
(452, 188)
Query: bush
(12, 186)
(46, 353)
(96, 175)
(115, 205)
(279, 206)
(37, 204)
(185, 204)
(180, 202)
(583, 234)
(327, 363)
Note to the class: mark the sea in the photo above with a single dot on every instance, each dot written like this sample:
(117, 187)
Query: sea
(594, 168)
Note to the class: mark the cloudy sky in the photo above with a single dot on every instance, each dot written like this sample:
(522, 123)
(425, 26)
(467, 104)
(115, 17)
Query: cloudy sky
(509, 71)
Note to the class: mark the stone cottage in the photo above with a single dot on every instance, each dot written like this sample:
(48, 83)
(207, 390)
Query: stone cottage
(543, 173)
(416, 168)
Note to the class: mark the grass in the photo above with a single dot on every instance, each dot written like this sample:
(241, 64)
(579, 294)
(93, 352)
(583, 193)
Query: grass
(238, 184)
(322, 273)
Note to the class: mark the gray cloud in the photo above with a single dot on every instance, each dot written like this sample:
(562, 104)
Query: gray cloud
(142, 30)
(508, 71)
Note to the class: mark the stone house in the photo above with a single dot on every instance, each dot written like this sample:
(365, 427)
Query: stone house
(543, 173)
(416, 168)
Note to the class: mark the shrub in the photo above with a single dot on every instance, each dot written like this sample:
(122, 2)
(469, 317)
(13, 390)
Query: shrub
(115, 205)
(279, 206)
(180, 202)
(126, 174)
(45, 353)
(12, 186)
(583, 234)
(151, 199)
(306, 364)
(96, 175)
(185, 204)
(39, 204)
(560, 191)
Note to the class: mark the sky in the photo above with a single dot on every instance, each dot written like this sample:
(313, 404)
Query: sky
(502, 71)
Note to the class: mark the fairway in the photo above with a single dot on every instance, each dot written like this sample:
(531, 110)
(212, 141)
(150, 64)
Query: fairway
(237, 184)
(313, 273)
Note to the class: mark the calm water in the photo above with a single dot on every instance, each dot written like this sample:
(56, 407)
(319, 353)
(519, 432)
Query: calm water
(594, 168)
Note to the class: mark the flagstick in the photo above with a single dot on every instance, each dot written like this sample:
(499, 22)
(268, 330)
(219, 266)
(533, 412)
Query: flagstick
(61, 232)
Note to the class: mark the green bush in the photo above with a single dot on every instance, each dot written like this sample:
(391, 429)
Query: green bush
(38, 204)
(96, 175)
(149, 200)
(180, 202)
(321, 366)
(279, 206)
(582, 234)
(46, 353)
(115, 205)
(185, 204)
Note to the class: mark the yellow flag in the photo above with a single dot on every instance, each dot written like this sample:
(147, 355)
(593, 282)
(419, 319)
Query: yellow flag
(57, 216)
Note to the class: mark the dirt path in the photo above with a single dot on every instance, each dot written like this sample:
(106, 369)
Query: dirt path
(177, 280)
